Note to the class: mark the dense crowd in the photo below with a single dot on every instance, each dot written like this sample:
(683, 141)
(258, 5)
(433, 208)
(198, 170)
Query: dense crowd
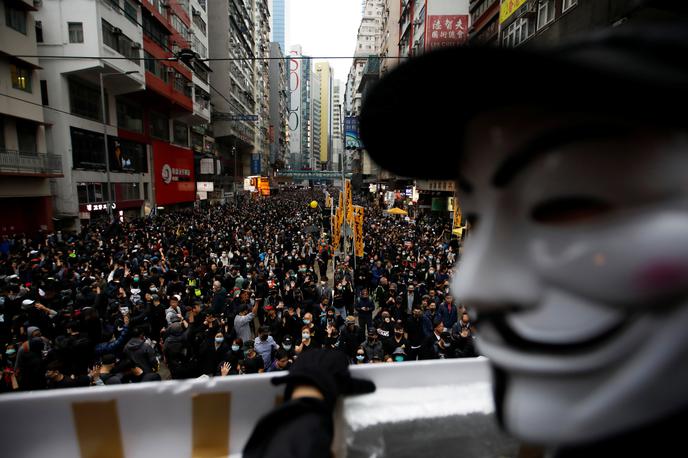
(232, 289)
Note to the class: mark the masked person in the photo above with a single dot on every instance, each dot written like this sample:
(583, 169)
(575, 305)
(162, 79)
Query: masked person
(578, 244)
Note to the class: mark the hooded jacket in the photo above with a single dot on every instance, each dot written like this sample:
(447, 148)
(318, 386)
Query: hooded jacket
(141, 353)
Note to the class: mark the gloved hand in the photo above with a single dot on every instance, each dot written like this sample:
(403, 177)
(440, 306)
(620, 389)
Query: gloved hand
(326, 370)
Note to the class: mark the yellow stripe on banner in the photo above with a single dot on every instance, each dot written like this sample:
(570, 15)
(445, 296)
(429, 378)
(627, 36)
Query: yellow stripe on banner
(97, 429)
(210, 425)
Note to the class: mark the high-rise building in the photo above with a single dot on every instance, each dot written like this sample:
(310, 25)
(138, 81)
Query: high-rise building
(389, 40)
(278, 15)
(279, 108)
(484, 22)
(323, 95)
(424, 25)
(27, 165)
(232, 37)
(260, 160)
(300, 132)
(337, 124)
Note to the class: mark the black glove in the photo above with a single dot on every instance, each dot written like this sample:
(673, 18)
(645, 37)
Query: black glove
(326, 370)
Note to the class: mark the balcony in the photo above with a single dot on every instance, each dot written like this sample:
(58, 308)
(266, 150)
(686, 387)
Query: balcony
(26, 163)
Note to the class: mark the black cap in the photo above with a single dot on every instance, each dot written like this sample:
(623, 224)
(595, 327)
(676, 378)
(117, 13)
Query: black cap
(372, 332)
(635, 70)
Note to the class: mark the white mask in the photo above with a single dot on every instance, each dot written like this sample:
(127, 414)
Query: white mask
(581, 366)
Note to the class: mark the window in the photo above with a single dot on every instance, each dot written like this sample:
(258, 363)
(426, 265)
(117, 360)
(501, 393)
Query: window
(21, 77)
(179, 26)
(198, 20)
(156, 67)
(127, 156)
(115, 39)
(44, 92)
(87, 149)
(155, 31)
(568, 4)
(129, 116)
(517, 32)
(182, 84)
(159, 126)
(131, 11)
(126, 191)
(545, 13)
(180, 133)
(76, 32)
(15, 19)
(89, 193)
(26, 136)
(39, 32)
(84, 100)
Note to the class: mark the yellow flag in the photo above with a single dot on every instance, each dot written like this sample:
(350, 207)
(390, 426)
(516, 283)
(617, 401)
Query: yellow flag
(349, 202)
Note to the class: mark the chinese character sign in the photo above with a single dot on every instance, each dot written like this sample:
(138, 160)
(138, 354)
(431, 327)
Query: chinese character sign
(508, 7)
(446, 30)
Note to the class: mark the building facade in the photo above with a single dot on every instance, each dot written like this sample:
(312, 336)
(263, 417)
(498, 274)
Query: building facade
(424, 25)
(260, 159)
(137, 156)
(278, 23)
(232, 36)
(389, 40)
(337, 138)
(323, 94)
(279, 108)
(484, 28)
(27, 166)
(299, 120)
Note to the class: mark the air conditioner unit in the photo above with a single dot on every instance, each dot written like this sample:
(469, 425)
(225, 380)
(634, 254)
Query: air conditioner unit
(136, 46)
(196, 13)
(117, 31)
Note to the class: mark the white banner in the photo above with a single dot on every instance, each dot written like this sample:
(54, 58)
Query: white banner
(179, 419)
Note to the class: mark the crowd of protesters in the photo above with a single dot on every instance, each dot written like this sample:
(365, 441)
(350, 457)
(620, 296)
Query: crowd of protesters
(232, 289)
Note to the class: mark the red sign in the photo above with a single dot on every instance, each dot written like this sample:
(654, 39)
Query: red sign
(446, 30)
(174, 174)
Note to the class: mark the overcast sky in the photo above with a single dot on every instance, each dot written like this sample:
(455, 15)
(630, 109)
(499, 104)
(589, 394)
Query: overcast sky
(324, 28)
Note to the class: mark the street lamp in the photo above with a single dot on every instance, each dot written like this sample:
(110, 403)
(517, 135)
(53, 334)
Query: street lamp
(107, 154)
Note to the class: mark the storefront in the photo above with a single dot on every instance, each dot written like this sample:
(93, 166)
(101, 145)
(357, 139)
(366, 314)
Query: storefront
(174, 175)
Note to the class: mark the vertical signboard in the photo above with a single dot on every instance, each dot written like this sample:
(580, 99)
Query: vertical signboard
(352, 140)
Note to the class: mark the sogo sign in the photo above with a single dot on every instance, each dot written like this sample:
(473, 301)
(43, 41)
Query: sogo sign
(174, 174)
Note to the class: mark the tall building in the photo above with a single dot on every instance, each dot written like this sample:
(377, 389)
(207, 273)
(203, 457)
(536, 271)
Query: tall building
(27, 165)
(260, 160)
(337, 124)
(368, 43)
(316, 127)
(278, 14)
(232, 37)
(149, 104)
(279, 108)
(300, 133)
(389, 40)
(323, 75)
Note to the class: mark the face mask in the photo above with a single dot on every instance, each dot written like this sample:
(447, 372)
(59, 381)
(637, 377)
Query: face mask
(10, 353)
(360, 357)
(235, 347)
(447, 345)
(305, 321)
(219, 339)
(305, 336)
(286, 347)
(398, 359)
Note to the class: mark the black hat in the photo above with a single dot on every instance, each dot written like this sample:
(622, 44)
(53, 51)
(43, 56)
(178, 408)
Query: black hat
(636, 70)
(372, 332)
(436, 322)
(287, 339)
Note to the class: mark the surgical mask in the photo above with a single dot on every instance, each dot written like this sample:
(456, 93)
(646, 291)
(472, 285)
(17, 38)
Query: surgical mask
(447, 345)
(219, 339)
(360, 357)
(398, 358)
(305, 321)
(10, 353)
(286, 347)
(306, 336)
(235, 347)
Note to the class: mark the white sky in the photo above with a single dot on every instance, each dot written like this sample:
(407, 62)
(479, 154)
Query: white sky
(324, 28)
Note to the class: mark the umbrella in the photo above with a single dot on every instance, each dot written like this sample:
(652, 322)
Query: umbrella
(396, 211)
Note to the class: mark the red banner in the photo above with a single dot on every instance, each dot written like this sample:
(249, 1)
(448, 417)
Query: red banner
(446, 30)
(174, 174)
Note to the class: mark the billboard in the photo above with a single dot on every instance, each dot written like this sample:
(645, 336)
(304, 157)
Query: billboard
(174, 174)
(508, 7)
(295, 109)
(446, 30)
(352, 139)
